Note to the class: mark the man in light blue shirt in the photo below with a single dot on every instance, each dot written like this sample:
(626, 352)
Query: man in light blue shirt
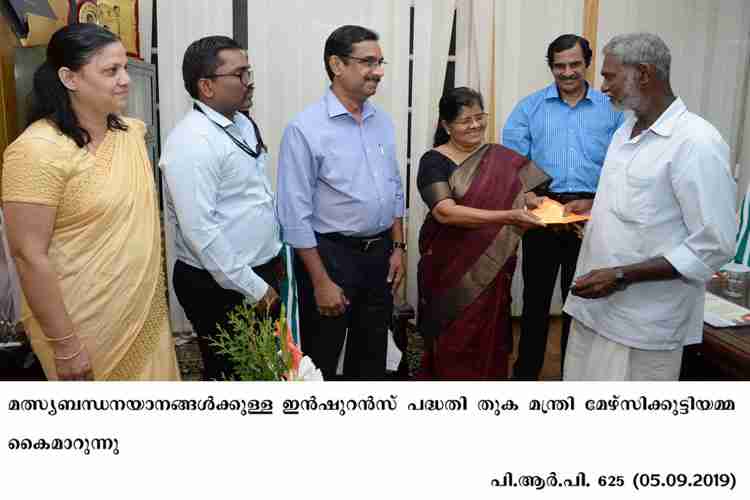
(565, 129)
(219, 200)
(340, 204)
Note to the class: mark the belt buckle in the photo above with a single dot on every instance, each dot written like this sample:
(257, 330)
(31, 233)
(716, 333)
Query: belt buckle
(368, 243)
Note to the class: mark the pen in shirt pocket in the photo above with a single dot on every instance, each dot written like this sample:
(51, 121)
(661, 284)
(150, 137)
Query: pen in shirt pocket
(381, 149)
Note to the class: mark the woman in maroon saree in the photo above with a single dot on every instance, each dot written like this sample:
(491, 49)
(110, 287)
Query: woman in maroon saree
(477, 194)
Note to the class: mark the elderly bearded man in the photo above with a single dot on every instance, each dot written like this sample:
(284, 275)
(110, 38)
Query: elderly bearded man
(662, 223)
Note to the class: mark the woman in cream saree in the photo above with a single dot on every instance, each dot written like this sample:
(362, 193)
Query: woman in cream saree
(104, 249)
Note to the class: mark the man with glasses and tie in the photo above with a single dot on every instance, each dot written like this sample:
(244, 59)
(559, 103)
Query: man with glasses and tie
(340, 204)
(219, 201)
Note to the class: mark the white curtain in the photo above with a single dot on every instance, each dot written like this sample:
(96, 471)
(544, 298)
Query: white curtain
(710, 48)
(179, 23)
(432, 34)
(474, 55)
(145, 25)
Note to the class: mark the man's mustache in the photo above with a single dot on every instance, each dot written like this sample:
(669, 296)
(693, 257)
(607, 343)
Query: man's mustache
(567, 78)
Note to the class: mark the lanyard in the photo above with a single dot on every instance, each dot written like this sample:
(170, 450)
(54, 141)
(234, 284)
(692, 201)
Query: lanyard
(240, 144)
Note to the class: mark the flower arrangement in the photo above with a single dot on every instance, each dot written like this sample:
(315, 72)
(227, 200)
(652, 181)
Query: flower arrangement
(261, 348)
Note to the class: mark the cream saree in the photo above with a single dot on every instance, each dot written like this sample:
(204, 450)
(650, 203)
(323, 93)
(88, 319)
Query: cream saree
(106, 247)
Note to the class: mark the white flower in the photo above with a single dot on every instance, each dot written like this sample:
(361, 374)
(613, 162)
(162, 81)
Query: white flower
(307, 370)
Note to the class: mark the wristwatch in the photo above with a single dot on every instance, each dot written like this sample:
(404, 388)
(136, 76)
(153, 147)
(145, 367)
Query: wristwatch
(399, 244)
(620, 283)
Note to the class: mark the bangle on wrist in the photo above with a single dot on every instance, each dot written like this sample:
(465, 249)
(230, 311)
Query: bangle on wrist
(68, 358)
(60, 339)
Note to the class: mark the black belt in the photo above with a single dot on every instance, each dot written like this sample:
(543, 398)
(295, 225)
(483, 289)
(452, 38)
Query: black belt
(275, 265)
(361, 243)
(567, 197)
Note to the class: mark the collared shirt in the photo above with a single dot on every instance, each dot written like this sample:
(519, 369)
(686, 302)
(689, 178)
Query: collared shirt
(666, 193)
(219, 200)
(568, 143)
(336, 174)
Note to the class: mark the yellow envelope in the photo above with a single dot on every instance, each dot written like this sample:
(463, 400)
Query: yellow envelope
(551, 212)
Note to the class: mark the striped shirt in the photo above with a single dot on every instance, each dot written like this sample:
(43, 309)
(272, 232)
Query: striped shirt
(568, 143)
(743, 235)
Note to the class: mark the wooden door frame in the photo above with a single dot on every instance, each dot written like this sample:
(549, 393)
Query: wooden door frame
(590, 28)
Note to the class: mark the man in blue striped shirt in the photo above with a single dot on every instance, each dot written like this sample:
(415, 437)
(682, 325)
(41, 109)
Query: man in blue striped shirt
(565, 129)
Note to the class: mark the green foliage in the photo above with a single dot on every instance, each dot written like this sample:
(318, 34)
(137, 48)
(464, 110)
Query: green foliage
(252, 346)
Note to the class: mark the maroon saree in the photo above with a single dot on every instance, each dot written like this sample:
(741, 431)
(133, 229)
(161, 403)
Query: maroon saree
(465, 274)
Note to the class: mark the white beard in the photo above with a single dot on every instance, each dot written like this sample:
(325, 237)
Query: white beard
(632, 98)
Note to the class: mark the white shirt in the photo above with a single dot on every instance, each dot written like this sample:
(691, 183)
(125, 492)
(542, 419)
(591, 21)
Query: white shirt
(666, 193)
(219, 200)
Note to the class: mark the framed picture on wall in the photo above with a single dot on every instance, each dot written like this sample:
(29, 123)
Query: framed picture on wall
(18, 11)
(88, 12)
(34, 21)
(118, 16)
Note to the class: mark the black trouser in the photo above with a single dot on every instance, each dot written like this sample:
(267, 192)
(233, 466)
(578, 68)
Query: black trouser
(362, 274)
(207, 304)
(544, 252)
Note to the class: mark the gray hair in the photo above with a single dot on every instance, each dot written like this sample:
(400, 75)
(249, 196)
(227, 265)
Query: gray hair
(641, 48)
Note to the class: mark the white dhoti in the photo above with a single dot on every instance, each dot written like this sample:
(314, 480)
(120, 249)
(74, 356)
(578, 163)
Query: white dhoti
(590, 356)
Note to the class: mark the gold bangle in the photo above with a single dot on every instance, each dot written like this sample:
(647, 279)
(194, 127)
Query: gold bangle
(60, 339)
(68, 358)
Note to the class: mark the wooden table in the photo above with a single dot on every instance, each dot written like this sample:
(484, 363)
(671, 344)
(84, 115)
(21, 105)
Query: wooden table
(724, 353)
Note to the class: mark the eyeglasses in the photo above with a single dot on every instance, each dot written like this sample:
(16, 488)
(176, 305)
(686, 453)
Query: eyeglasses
(469, 121)
(371, 62)
(246, 76)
